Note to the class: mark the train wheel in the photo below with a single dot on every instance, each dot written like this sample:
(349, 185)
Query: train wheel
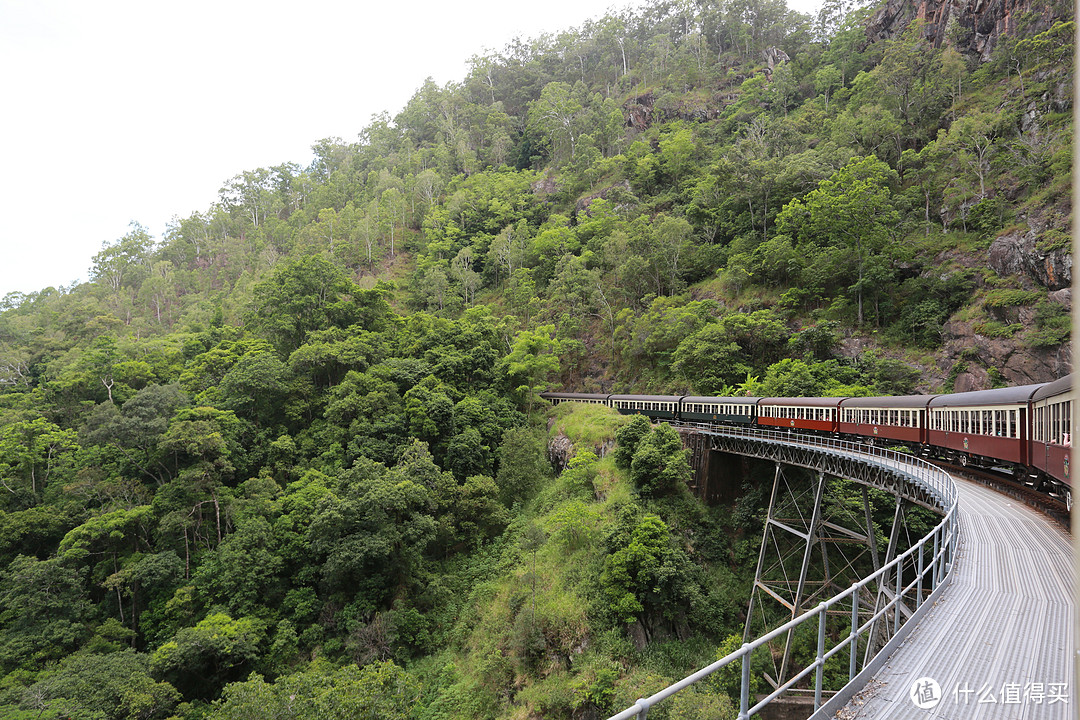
(963, 460)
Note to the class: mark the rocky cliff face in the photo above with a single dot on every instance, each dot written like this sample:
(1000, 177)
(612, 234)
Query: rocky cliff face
(975, 26)
(1018, 253)
(1017, 364)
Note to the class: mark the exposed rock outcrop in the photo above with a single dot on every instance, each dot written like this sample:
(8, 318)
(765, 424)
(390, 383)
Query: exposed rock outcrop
(1018, 365)
(560, 452)
(773, 57)
(975, 26)
(1017, 253)
(618, 193)
(646, 110)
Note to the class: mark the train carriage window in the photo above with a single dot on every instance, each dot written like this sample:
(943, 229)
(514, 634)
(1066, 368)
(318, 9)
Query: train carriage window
(1012, 424)
(1067, 415)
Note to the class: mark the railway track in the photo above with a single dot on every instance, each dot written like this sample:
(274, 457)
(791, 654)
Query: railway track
(1050, 506)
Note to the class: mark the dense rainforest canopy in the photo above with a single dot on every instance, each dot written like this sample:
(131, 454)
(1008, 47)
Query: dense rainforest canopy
(288, 460)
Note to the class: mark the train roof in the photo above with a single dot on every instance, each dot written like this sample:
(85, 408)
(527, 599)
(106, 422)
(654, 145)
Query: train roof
(802, 402)
(998, 396)
(909, 402)
(721, 400)
(648, 398)
(1051, 389)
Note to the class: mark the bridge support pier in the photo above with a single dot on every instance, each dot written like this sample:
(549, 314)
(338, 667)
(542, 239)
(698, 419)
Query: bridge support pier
(815, 528)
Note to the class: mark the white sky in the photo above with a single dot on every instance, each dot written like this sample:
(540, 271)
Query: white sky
(113, 111)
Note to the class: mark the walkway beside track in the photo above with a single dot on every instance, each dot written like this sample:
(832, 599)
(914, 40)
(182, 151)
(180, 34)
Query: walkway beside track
(1000, 640)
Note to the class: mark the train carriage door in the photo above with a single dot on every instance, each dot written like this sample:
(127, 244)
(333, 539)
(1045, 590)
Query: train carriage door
(1025, 434)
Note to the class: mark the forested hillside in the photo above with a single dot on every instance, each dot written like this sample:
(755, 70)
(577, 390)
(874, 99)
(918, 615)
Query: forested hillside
(290, 457)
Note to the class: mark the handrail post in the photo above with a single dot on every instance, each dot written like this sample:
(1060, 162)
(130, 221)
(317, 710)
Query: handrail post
(820, 675)
(899, 595)
(854, 630)
(744, 689)
(918, 587)
(935, 558)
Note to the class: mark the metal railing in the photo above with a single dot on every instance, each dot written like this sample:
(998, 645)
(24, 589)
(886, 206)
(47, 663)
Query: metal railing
(942, 539)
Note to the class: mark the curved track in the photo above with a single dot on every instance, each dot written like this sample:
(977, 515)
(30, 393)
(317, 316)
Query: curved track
(999, 642)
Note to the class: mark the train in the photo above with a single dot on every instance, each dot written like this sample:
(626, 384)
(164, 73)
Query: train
(1026, 430)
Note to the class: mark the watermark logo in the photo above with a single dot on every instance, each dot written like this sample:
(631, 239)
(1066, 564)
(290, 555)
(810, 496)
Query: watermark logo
(925, 693)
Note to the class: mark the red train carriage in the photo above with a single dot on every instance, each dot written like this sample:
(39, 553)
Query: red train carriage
(1051, 432)
(985, 427)
(799, 413)
(901, 419)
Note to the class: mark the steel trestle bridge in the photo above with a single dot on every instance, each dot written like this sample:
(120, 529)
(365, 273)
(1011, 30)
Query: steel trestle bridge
(858, 627)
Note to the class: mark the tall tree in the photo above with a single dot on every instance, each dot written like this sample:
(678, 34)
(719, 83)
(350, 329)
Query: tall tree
(854, 207)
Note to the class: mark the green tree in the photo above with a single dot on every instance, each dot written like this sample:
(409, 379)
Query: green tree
(532, 360)
(308, 294)
(32, 453)
(855, 208)
(659, 465)
(44, 612)
(379, 691)
(627, 439)
(200, 660)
